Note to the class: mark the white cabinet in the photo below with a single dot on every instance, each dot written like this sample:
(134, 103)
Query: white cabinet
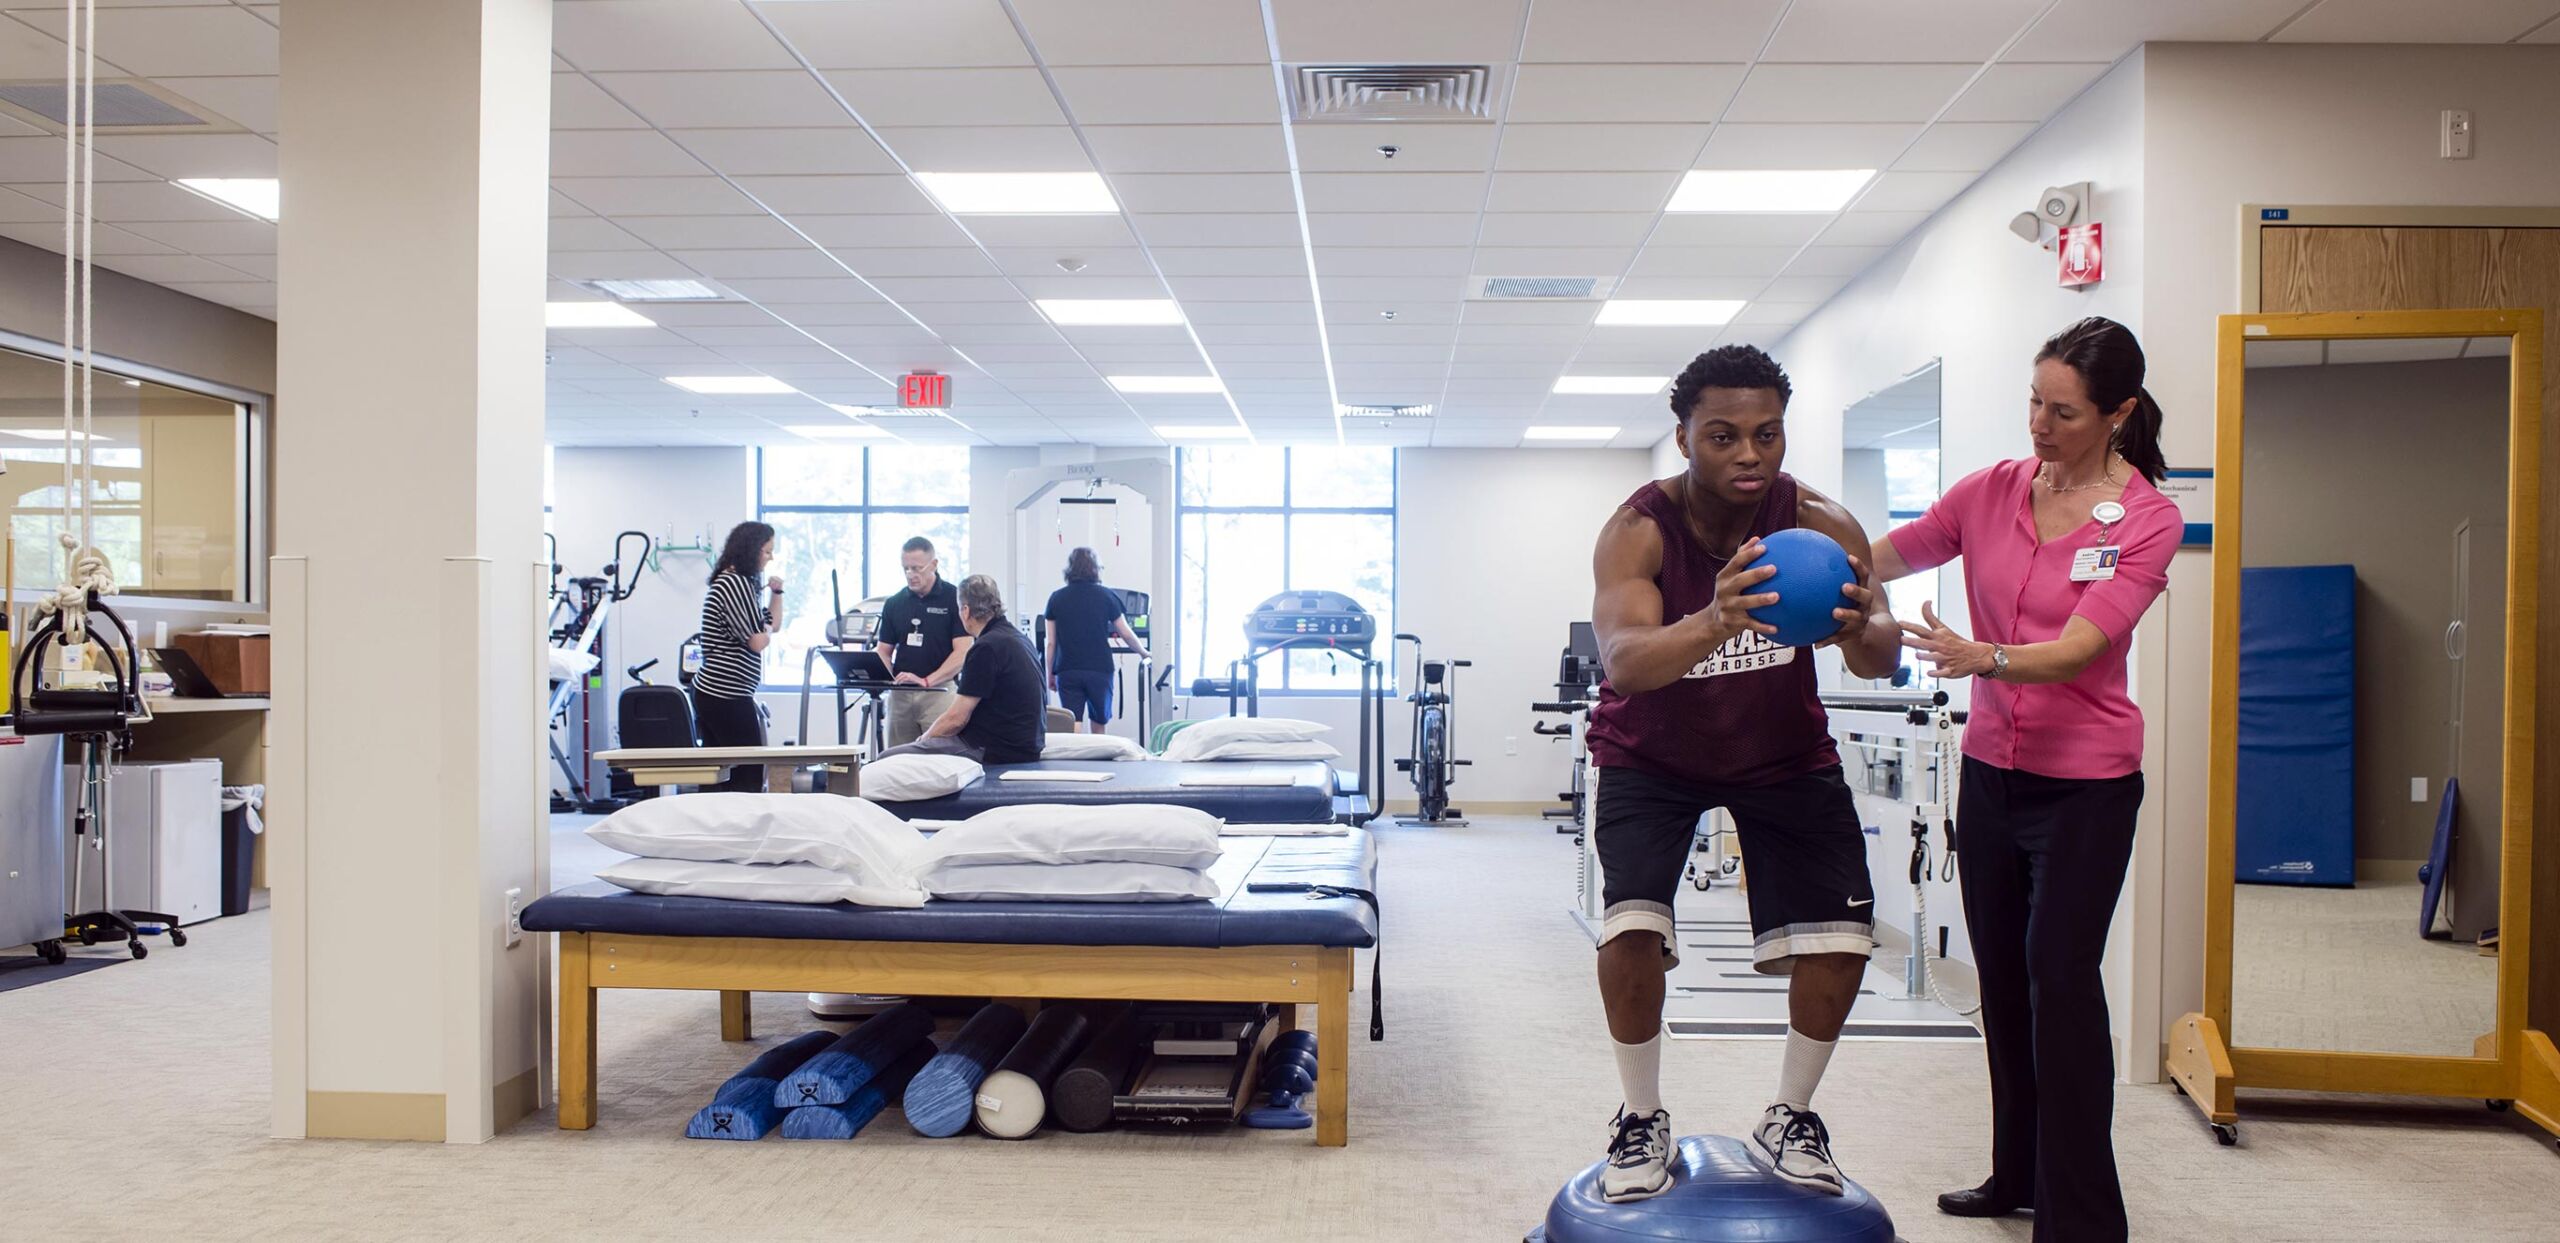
(164, 825)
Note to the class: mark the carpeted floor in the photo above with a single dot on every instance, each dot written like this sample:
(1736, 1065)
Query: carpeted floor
(2346, 969)
(139, 1100)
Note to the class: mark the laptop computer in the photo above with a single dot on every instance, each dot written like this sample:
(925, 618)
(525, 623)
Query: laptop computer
(856, 665)
(189, 679)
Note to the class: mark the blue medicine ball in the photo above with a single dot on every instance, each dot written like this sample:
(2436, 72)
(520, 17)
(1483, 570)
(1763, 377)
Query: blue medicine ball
(1811, 571)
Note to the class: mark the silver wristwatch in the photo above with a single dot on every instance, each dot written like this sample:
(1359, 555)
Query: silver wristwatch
(1999, 660)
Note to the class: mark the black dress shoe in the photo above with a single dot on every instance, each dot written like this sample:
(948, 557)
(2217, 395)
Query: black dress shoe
(1982, 1201)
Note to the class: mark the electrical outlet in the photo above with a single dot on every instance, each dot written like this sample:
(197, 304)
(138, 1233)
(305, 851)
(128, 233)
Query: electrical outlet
(2454, 141)
(515, 917)
(2417, 789)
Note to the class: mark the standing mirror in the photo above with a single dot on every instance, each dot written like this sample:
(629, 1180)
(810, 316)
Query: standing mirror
(1889, 471)
(2372, 762)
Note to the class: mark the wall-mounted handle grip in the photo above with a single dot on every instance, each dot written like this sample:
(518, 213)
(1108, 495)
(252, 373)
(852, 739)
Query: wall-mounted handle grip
(2454, 640)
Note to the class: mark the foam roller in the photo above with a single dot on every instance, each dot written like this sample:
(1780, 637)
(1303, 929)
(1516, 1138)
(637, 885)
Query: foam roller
(744, 1108)
(943, 1096)
(1081, 1098)
(1014, 1098)
(833, 1076)
(847, 1120)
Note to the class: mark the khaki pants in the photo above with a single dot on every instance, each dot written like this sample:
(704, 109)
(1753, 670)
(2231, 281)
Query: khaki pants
(913, 709)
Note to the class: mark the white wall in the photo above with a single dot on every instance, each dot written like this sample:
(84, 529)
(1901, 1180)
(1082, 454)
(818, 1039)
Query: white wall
(2233, 124)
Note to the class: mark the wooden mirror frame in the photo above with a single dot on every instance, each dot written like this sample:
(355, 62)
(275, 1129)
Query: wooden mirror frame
(2510, 1063)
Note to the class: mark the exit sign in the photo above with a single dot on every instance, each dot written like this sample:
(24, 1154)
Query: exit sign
(924, 390)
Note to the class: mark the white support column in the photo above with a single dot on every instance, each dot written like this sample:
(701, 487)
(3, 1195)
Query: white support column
(406, 778)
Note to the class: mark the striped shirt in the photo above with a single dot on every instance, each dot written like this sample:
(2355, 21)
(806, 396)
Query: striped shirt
(730, 615)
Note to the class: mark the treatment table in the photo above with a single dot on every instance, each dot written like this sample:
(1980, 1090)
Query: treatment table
(1290, 947)
(1305, 798)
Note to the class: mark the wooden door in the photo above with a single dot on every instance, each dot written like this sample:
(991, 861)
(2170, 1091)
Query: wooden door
(2339, 268)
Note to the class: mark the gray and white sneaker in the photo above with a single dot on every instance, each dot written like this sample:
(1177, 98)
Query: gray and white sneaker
(1798, 1148)
(1639, 1157)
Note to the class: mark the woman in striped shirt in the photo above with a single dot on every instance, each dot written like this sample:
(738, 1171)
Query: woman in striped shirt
(735, 632)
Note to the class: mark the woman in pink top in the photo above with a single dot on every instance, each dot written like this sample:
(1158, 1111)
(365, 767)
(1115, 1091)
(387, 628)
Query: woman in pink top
(2062, 553)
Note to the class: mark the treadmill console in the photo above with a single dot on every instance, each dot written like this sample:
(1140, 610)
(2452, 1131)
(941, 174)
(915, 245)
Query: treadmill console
(1327, 615)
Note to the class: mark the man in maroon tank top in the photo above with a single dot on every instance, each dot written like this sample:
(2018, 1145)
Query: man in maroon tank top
(1702, 711)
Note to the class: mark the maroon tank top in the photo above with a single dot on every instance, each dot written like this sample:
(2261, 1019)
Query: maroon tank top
(1747, 715)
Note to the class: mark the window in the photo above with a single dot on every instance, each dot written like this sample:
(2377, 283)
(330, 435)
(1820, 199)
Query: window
(1255, 522)
(173, 476)
(846, 512)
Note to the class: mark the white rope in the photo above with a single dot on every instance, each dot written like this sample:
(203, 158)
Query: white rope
(86, 570)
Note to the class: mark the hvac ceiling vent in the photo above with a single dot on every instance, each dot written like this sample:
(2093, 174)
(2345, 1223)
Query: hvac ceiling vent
(1543, 287)
(1391, 92)
(124, 106)
(1386, 413)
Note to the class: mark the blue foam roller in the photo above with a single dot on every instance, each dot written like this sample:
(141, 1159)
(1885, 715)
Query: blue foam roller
(834, 1075)
(1720, 1193)
(744, 1108)
(1812, 568)
(944, 1095)
(847, 1120)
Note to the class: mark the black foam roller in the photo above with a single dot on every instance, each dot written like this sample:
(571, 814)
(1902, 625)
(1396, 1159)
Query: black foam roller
(1081, 1098)
(1014, 1097)
(943, 1096)
(834, 1075)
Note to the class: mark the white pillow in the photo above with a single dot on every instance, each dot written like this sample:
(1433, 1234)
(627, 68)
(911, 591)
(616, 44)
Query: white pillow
(1195, 738)
(1078, 882)
(846, 835)
(1267, 749)
(1053, 833)
(757, 882)
(904, 778)
(1091, 747)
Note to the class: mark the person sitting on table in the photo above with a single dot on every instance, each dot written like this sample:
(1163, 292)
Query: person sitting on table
(922, 643)
(1000, 715)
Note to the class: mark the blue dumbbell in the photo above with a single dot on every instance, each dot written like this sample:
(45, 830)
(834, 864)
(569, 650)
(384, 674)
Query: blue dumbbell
(1282, 1114)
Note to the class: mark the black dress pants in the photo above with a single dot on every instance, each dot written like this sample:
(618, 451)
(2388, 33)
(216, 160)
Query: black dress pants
(2042, 860)
(732, 723)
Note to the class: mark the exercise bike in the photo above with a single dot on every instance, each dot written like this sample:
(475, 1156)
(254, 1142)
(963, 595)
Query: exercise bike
(1432, 762)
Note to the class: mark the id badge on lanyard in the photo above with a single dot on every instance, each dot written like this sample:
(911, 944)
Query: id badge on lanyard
(2098, 565)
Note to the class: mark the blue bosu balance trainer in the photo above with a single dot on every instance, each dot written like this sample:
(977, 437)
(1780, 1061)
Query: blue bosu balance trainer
(1720, 1193)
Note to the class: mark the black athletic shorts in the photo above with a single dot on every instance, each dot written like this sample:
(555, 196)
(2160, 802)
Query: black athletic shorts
(1802, 847)
(1086, 694)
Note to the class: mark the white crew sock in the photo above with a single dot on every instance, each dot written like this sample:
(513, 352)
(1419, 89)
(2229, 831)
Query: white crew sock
(1801, 1073)
(1640, 1074)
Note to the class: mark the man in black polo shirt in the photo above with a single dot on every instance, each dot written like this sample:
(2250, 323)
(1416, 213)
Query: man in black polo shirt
(922, 642)
(1000, 715)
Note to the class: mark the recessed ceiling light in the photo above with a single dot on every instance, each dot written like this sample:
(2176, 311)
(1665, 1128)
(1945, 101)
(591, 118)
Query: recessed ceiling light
(1220, 431)
(729, 384)
(261, 197)
(1570, 433)
(1768, 190)
(1167, 383)
(1086, 312)
(50, 433)
(593, 315)
(1019, 194)
(838, 431)
(1613, 385)
(1668, 312)
(656, 291)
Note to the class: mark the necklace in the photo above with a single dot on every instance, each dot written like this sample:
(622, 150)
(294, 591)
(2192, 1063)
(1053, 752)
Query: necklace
(2045, 476)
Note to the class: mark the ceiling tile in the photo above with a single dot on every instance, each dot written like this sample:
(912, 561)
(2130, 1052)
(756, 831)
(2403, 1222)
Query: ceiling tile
(1145, 32)
(1763, 312)
(1638, 30)
(1392, 228)
(1203, 192)
(1804, 288)
(2396, 21)
(562, 205)
(712, 232)
(1193, 290)
(1872, 228)
(1565, 228)
(263, 267)
(839, 195)
(2104, 30)
(1218, 229)
(1158, 94)
(1042, 262)
(1364, 32)
(592, 233)
(1685, 287)
(725, 265)
(1760, 261)
(1397, 289)
(1890, 30)
(1420, 148)
(208, 237)
(604, 35)
(1063, 234)
(875, 263)
(1188, 148)
(1670, 94)
(657, 196)
(249, 101)
(1600, 147)
(615, 265)
(1333, 261)
(1835, 260)
(174, 42)
(1738, 229)
(1533, 311)
(1394, 192)
(1605, 261)
(1847, 93)
(787, 152)
(1232, 260)
(1552, 192)
(1914, 191)
(184, 155)
(615, 153)
(1963, 146)
(1006, 149)
(172, 269)
(1805, 145)
(915, 97)
(1280, 313)
(119, 202)
(577, 103)
(909, 290)
(1086, 285)
(886, 36)
(2016, 92)
(794, 290)
(733, 99)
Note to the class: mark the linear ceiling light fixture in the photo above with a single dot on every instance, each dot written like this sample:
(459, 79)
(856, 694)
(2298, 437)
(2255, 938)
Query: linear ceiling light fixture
(593, 315)
(1611, 385)
(1570, 433)
(1020, 194)
(1166, 383)
(656, 291)
(262, 197)
(1768, 190)
(1109, 312)
(837, 431)
(727, 385)
(1668, 312)
(1222, 431)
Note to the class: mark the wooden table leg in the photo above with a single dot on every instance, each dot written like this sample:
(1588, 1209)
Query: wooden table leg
(577, 1036)
(737, 1019)
(1333, 1049)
